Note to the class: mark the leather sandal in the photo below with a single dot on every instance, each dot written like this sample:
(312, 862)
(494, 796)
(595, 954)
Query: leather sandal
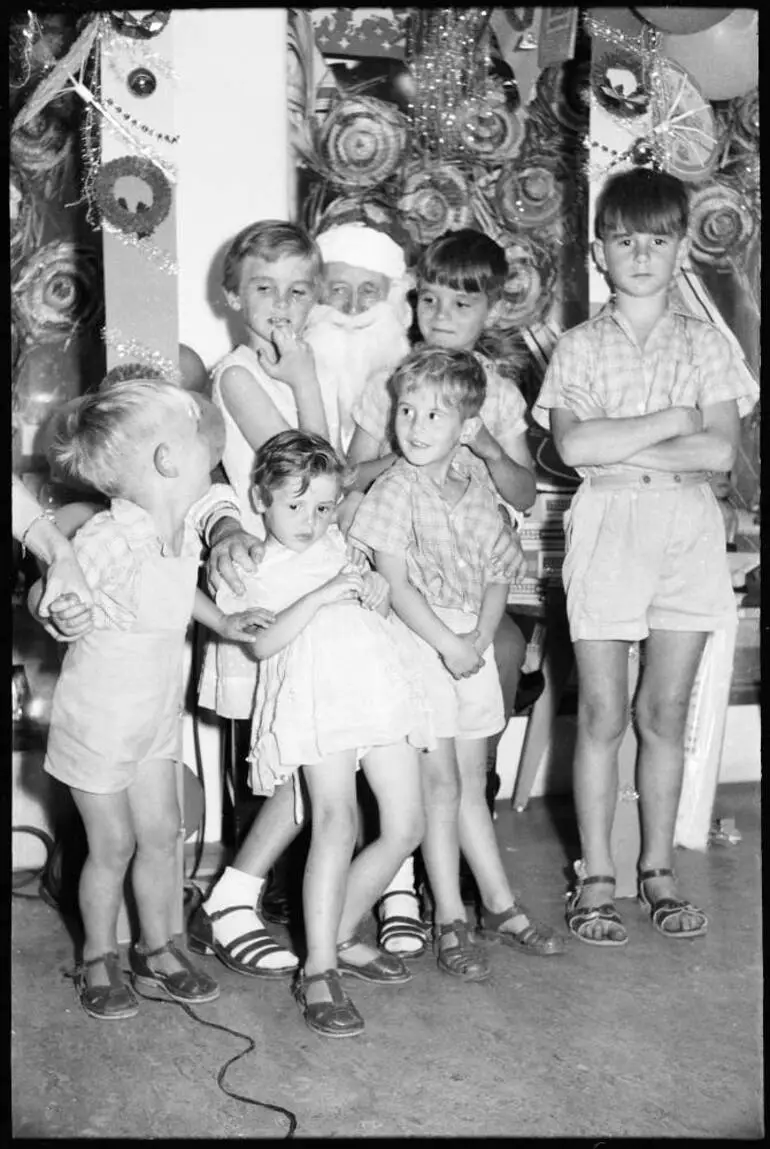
(201, 940)
(579, 917)
(534, 938)
(662, 909)
(395, 927)
(187, 984)
(384, 969)
(113, 1002)
(463, 959)
(335, 1018)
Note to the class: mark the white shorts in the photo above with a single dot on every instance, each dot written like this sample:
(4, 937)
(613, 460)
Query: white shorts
(461, 707)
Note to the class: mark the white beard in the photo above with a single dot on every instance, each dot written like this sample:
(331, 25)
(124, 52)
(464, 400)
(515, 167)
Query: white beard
(354, 349)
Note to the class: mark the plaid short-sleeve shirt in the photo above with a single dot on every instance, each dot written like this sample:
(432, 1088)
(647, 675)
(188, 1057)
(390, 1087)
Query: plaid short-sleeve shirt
(448, 549)
(503, 413)
(685, 362)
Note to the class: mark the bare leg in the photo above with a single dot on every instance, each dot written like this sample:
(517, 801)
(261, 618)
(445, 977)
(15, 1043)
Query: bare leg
(510, 650)
(602, 721)
(156, 818)
(477, 832)
(393, 773)
(440, 845)
(111, 844)
(332, 790)
(272, 831)
(671, 663)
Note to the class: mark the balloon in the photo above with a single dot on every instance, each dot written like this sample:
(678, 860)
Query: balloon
(723, 60)
(622, 20)
(195, 377)
(682, 20)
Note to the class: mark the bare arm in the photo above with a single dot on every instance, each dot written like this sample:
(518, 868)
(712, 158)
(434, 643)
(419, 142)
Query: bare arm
(237, 627)
(457, 653)
(512, 472)
(293, 620)
(598, 441)
(364, 455)
(712, 449)
(492, 610)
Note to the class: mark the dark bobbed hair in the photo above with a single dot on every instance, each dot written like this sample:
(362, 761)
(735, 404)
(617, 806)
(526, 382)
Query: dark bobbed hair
(292, 454)
(268, 239)
(457, 375)
(642, 200)
(465, 260)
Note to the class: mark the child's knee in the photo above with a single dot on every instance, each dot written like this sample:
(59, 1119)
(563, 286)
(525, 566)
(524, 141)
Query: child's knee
(338, 820)
(602, 719)
(663, 718)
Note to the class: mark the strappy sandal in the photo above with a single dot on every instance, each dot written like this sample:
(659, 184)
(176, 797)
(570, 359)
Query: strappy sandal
(397, 927)
(187, 984)
(113, 1002)
(384, 969)
(335, 1018)
(201, 940)
(534, 938)
(578, 917)
(667, 907)
(464, 959)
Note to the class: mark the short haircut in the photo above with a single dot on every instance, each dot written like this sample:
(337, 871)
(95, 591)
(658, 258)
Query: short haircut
(457, 375)
(465, 260)
(642, 200)
(97, 437)
(269, 239)
(298, 455)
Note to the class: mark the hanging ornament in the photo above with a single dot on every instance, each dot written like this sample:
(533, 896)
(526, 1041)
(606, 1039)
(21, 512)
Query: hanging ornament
(362, 142)
(43, 149)
(745, 120)
(140, 26)
(141, 82)
(527, 293)
(617, 82)
(488, 129)
(57, 291)
(683, 123)
(721, 225)
(122, 188)
(643, 153)
(434, 199)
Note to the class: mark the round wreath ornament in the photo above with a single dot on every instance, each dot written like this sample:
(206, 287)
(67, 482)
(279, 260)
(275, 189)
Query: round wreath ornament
(119, 189)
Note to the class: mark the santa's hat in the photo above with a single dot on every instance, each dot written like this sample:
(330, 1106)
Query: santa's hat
(362, 246)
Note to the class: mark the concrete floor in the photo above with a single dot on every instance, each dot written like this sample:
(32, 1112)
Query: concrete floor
(661, 1039)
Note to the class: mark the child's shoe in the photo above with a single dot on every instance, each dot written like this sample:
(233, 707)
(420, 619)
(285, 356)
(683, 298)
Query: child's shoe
(463, 959)
(335, 1018)
(113, 1002)
(188, 984)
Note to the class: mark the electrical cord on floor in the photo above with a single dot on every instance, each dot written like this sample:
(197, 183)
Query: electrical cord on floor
(25, 878)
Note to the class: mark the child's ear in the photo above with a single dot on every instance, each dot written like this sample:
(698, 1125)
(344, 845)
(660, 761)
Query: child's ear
(164, 461)
(597, 249)
(257, 502)
(471, 428)
(233, 300)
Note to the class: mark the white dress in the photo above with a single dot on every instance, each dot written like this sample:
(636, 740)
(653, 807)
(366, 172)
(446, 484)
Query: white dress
(346, 682)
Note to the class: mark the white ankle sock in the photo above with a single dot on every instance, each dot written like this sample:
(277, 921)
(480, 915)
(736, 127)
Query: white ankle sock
(236, 888)
(402, 905)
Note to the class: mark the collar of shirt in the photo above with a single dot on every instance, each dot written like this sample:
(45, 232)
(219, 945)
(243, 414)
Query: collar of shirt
(610, 312)
(141, 526)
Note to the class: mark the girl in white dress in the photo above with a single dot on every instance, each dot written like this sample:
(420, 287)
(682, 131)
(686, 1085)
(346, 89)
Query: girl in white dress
(335, 687)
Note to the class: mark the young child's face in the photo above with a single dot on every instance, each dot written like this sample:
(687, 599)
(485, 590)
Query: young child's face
(274, 293)
(639, 264)
(451, 319)
(426, 427)
(298, 520)
(351, 289)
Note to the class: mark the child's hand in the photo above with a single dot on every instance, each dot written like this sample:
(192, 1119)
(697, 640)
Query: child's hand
(376, 592)
(348, 584)
(580, 403)
(236, 551)
(292, 361)
(67, 618)
(462, 660)
(357, 559)
(484, 444)
(240, 627)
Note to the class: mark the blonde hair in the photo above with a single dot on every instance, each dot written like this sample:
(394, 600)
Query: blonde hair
(98, 436)
(457, 376)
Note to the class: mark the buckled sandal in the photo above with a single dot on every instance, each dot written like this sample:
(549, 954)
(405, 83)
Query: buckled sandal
(188, 984)
(662, 909)
(335, 1018)
(578, 917)
(384, 969)
(464, 959)
(113, 1002)
(253, 947)
(534, 938)
(397, 927)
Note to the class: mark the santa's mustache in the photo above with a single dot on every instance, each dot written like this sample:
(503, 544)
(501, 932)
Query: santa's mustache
(380, 313)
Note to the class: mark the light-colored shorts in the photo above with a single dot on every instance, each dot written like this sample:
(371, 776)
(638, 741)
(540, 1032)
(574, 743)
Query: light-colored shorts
(461, 707)
(645, 556)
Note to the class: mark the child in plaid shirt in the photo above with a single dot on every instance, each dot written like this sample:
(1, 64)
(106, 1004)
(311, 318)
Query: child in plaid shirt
(431, 527)
(115, 730)
(644, 401)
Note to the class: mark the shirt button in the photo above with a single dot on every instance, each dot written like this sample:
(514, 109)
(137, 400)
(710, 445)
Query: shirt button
(645, 478)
